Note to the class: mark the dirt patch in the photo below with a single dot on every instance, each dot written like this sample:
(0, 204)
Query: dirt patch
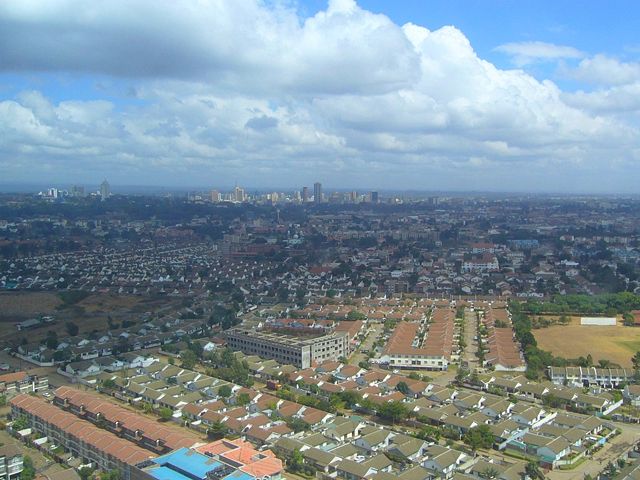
(614, 343)
(19, 306)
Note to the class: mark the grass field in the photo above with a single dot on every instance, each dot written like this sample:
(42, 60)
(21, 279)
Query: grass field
(617, 344)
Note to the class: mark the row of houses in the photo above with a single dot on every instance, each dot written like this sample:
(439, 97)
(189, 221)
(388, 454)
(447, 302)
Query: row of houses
(151, 334)
(503, 350)
(596, 401)
(414, 345)
(91, 430)
(15, 383)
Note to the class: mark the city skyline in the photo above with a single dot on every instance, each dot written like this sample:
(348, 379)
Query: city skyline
(456, 96)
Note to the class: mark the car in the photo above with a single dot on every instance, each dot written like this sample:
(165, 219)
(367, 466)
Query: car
(4, 367)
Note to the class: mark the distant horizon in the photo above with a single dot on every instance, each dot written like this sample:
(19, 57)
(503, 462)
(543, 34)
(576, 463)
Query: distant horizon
(125, 189)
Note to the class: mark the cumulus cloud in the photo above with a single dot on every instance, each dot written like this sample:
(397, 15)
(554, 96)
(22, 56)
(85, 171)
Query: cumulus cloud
(605, 70)
(525, 53)
(247, 91)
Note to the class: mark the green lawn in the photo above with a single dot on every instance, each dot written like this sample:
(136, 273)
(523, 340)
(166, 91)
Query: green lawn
(632, 345)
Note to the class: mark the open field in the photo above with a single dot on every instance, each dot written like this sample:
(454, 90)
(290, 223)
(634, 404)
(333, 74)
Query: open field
(91, 313)
(18, 306)
(614, 343)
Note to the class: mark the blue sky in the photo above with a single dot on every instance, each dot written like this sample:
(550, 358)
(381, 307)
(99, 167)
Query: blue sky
(433, 95)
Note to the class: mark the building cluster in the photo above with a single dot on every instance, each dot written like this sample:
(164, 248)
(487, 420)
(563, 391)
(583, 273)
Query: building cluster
(459, 246)
(517, 411)
(99, 347)
(110, 437)
(15, 383)
(429, 345)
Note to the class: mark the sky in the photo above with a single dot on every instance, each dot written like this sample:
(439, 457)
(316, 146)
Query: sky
(491, 95)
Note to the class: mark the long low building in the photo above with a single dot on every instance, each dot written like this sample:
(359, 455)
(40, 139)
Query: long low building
(130, 425)
(504, 352)
(93, 445)
(405, 348)
(301, 352)
(585, 376)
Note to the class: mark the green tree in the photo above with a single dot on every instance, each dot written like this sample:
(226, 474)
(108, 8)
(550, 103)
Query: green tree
(479, 437)
(297, 424)
(392, 411)
(225, 391)
(296, 461)
(242, 398)
(532, 470)
(635, 360)
(20, 423)
(28, 469)
(109, 384)
(72, 328)
(51, 341)
(217, 430)
(189, 359)
(85, 473)
(165, 413)
(355, 315)
(3, 400)
(403, 388)
(110, 475)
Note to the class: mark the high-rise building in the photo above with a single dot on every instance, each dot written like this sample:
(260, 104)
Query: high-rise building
(374, 197)
(105, 190)
(317, 192)
(238, 194)
(215, 196)
(77, 191)
(305, 194)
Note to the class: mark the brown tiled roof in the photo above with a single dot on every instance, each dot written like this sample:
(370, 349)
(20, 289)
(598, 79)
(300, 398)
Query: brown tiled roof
(172, 438)
(99, 439)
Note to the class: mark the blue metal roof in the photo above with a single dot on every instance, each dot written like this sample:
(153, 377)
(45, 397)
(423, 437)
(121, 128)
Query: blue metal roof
(186, 463)
(165, 473)
(239, 475)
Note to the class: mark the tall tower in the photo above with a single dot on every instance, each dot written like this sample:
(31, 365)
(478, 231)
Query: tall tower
(239, 195)
(105, 190)
(305, 194)
(317, 192)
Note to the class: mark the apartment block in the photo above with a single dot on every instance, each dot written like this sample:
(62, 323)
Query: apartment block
(301, 352)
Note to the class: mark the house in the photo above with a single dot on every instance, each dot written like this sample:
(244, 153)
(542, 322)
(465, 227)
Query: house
(374, 441)
(631, 394)
(342, 429)
(411, 448)
(351, 470)
(320, 460)
(443, 462)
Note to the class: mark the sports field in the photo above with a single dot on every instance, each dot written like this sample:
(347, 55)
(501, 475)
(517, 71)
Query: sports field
(614, 343)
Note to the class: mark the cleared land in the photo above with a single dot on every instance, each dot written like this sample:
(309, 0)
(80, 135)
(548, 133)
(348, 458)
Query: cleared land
(18, 306)
(617, 344)
(91, 313)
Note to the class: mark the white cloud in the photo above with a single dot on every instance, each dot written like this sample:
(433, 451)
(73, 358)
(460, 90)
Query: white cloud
(525, 53)
(621, 99)
(605, 70)
(237, 90)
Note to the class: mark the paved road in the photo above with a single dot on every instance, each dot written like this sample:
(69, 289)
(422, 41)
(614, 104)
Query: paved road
(470, 331)
(375, 331)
